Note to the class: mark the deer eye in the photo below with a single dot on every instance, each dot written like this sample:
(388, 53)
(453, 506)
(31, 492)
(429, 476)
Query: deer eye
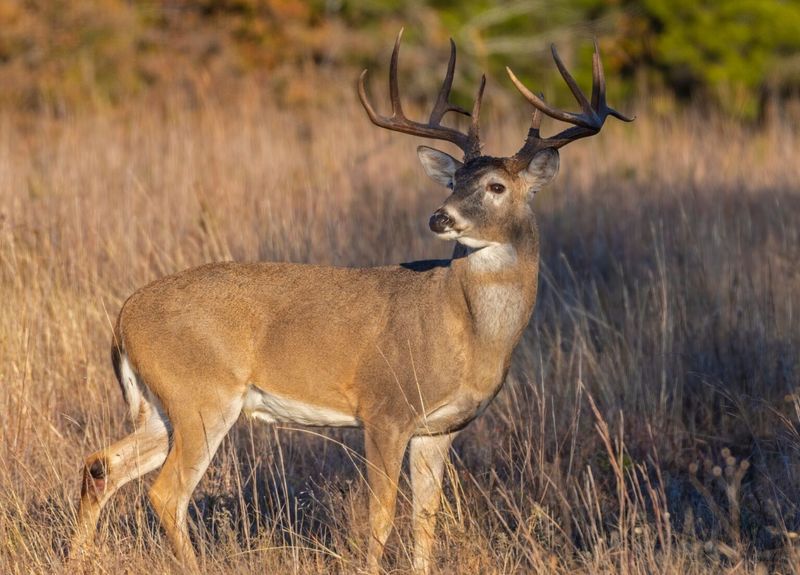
(496, 188)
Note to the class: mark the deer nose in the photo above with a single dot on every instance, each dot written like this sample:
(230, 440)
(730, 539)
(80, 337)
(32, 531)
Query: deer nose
(440, 221)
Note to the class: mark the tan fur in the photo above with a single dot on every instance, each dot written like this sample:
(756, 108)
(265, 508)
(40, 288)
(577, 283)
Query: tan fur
(410, 353)
(402, 353)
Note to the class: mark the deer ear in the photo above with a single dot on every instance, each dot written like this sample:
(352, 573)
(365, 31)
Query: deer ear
(541, 170)
(438, 165)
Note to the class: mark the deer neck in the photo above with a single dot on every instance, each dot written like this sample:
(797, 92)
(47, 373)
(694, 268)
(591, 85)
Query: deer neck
(498, 282)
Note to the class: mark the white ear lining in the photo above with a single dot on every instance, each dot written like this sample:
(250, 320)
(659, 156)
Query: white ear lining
(542, 169)
(441, 167)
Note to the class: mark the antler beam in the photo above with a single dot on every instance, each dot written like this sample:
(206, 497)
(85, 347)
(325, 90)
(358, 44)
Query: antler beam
(587, 123)
(469, 143)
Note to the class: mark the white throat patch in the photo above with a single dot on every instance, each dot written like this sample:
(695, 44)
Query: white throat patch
(489, 257)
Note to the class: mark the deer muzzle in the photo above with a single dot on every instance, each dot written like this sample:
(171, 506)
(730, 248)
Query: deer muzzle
(440, 221)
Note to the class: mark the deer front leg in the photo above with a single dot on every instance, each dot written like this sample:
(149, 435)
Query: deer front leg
(384, 453)
(427, 459)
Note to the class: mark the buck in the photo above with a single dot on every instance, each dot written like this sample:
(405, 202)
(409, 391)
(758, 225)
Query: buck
(411, 353)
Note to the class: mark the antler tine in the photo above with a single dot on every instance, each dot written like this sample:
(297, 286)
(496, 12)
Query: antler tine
(586, 107)
(469, 143)
(443, 104)
(568, 117)
(599, 88)
(587, 123)
(532, 140)
(374, 117)
(598, 80)
(536, 119)
(394, 88)
(474, 127)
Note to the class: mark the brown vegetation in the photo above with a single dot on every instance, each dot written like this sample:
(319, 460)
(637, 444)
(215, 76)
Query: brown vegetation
(651, 420)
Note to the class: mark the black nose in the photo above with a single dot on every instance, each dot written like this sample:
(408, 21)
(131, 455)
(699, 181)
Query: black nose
(440, 221)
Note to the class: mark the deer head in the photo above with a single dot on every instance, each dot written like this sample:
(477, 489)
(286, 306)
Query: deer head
(489, 194)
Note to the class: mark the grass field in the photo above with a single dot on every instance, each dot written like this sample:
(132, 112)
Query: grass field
(651, 420)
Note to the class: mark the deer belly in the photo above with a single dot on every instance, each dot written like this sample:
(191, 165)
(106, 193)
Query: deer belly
(453, 415)
(272, 408)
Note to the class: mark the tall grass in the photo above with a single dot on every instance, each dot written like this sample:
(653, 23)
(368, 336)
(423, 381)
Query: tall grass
(650, 421)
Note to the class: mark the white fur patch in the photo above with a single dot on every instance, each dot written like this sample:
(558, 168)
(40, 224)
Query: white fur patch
(454, 413)
(490, 257)
(472, 243)
(448, 235)
(148, 447)
(130, 387)
(438, 165)
(272, 408)
(449, 413)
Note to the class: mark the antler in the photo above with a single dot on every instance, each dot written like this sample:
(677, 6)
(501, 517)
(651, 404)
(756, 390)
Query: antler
(587, 123)
(469, 143)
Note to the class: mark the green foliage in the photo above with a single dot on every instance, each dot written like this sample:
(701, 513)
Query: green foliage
(733, 49)
(733, 54)
(729, 53)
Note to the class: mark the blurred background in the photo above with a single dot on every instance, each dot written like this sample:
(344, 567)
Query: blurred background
(742, 56)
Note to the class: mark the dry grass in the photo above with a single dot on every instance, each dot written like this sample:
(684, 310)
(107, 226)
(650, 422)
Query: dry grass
(650, 424)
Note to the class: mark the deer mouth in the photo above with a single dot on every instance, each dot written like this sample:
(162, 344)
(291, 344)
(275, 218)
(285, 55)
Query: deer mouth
(451, 233)
(448, 235)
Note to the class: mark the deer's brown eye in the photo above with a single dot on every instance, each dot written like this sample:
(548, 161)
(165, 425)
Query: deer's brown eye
(497, 188)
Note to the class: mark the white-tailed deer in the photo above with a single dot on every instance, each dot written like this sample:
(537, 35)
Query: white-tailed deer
(412, 353)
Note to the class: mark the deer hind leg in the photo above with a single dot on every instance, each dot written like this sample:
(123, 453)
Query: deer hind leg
(107, 470)
(197, 434)
(427, 458)
(384, 453)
